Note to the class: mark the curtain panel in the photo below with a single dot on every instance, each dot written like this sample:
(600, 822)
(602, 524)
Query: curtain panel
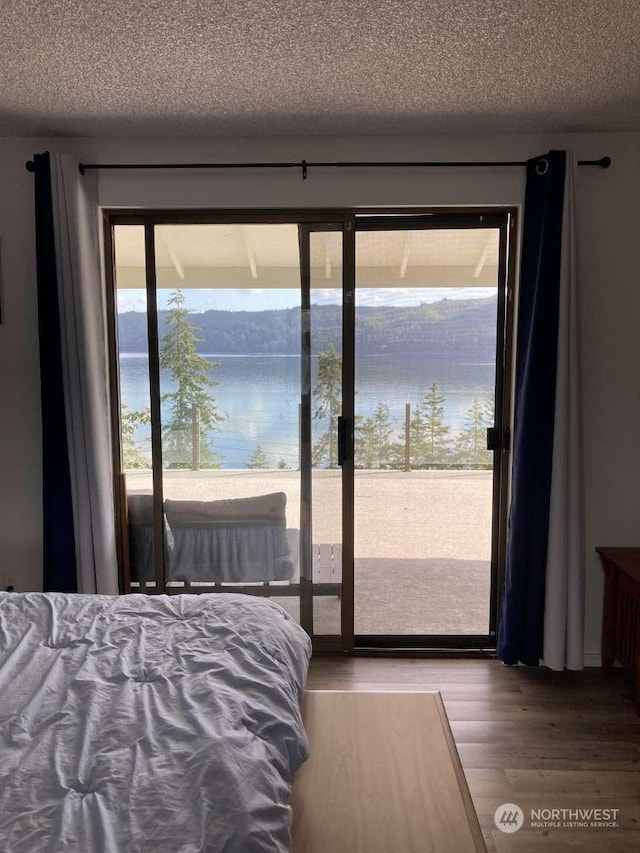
(78, 502)
(542, 608)
(59, 554)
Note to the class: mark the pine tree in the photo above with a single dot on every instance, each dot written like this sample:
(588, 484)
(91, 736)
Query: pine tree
(328, 399)
(436, 432)
(490, 410)
(471, 443)
(429, 434)
(373, 439)
(258, 459)
(190, 371)
(135, 454)
(417, 447)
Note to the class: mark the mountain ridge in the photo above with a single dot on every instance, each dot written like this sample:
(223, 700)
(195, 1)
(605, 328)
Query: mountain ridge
(447, 326)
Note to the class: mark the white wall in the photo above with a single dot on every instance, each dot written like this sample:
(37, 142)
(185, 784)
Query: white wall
(609, 234)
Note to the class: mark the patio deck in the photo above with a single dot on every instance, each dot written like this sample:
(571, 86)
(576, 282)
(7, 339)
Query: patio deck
(422, 541)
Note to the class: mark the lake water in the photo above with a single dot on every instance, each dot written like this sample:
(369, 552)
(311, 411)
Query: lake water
(260, 394)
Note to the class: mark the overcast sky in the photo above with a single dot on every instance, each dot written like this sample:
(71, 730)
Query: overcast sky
(261, 300)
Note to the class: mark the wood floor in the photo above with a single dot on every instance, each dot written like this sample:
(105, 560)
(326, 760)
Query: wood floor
(539, 739)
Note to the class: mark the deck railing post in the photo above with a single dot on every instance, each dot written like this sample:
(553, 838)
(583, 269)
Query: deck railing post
(407, 437)
(195, 438)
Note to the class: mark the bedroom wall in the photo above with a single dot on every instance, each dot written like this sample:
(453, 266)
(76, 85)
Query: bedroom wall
(608, 231)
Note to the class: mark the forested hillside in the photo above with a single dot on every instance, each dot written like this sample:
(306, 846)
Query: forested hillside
(463, 327)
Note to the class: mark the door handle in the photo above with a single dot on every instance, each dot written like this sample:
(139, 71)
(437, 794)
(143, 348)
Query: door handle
(498, 439)
(343, 439)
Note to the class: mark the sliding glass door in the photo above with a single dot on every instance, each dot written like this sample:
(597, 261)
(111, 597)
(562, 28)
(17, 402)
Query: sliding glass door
(321, 249)
(302, 409)
(220, 305)
(227, 350)
(429, 350)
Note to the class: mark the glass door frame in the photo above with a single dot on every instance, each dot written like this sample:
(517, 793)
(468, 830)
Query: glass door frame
(149, 219)
(505, 220)
(349, 221)
(345, 641)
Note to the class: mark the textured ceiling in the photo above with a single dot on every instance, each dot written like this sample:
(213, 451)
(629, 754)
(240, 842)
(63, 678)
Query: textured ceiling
(274, 67)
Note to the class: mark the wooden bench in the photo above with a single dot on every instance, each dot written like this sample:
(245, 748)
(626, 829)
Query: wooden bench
(384, 775)
(327, 569)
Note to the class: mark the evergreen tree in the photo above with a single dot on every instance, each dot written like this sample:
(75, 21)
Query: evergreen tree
(320, 452)
(373, 444)
(180, 359)
(417, 449)
(282, 464)
(429, 434)
(134, 453)
(328, 399)
(258, 459)
(436, 432)
(490, 410)
(471, 443)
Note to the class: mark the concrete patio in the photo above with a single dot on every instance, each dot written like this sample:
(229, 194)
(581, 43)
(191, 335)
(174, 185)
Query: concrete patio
(422, 541)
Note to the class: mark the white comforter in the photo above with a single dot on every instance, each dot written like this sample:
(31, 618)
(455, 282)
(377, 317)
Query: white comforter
(164, 724)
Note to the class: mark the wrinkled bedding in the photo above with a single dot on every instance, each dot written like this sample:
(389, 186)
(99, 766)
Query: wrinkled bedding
(148, 724)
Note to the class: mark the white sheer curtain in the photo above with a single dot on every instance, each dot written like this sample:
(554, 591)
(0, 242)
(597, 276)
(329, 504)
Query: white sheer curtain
(564, 589)
(85, 373)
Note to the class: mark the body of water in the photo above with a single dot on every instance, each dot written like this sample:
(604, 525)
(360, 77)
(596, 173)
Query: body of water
(259, 397)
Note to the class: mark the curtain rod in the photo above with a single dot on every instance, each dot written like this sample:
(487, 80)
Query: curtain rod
(303, 165)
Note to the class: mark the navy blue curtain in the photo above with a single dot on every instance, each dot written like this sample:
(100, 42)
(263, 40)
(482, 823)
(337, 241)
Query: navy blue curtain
(59, 555)
(520, 632)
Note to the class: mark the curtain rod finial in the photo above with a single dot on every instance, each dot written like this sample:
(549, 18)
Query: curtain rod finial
(605, 162)
(30, 166)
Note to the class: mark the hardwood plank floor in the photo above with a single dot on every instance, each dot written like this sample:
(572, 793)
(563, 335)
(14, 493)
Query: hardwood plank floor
(540, 739)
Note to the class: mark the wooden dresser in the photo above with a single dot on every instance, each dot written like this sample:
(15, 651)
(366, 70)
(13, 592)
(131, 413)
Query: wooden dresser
(621, 611)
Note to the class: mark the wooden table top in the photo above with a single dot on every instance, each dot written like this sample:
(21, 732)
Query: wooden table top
(626, 559)
(384, 775)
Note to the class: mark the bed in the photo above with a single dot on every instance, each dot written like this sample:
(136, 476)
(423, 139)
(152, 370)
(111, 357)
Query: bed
(148, 724)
